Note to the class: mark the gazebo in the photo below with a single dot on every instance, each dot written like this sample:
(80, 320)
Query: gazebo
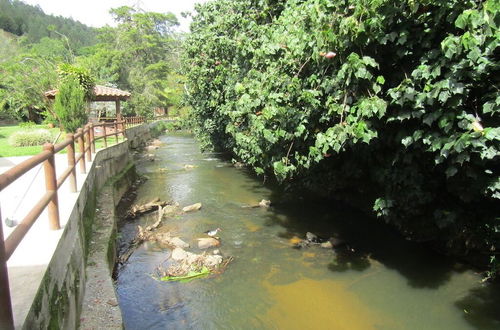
(103, 94)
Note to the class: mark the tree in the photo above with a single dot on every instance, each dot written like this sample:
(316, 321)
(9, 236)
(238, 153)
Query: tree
(70, 106)
(135, 56)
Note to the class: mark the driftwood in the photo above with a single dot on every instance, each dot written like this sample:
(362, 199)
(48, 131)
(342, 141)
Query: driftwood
(141, 236)
(138, 210)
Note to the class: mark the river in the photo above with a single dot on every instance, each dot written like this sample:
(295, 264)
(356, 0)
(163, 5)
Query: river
(386, 283)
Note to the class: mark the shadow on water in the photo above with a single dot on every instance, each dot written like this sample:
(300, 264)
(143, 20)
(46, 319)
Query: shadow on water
(481, 306)
(367, 239)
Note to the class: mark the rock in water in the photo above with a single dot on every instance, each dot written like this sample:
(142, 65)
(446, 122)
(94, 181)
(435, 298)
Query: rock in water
(191, 208)
(177, 242)
(205, 243)
(265, 203)
(326, 245)
(311, 237)
(179, 254)
(212, 261)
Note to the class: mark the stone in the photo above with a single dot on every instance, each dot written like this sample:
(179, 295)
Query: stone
(188, 167)
(177, 242)
(311, 237)
(212, 261)
(265, 203)
(170, 209)
(216, 251)
(179, 254)
(295, 240)
(205, 243)
(191, 208)
(112, 302)
(326, 245)
(151, 148)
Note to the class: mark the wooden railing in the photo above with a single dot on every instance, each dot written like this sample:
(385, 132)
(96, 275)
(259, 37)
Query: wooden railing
(85, 138)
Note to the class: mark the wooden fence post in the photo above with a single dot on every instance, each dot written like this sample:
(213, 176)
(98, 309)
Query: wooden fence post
(49, 167)
(81, 143)
(71, 162)
(87, 143)
(115, 127)
(104, 132)
(92, 138)
(6, 317)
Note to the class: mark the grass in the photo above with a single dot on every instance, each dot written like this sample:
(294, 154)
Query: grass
(6, 150)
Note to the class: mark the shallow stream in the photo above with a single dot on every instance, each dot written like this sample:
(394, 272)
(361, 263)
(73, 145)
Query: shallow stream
(386, 283)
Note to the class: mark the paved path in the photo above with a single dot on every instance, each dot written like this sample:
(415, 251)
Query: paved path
(30, 260)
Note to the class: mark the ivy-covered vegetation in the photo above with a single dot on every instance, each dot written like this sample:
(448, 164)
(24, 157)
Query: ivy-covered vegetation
(391, 102)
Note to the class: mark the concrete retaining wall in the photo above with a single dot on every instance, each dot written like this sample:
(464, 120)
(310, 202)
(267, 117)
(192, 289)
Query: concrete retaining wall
(58, 302)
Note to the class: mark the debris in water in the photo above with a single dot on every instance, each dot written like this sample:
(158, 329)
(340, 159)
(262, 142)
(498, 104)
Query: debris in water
(191, 208)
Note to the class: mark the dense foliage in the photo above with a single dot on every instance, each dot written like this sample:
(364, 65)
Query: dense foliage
(391, 101)
(31, 22)
(70, 105)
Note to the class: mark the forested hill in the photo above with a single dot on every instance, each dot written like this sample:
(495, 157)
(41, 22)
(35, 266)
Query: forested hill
(25, 20)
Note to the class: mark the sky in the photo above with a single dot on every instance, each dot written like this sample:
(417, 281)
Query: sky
(96, 12)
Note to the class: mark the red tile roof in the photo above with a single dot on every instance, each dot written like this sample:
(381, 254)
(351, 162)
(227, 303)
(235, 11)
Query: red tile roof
(101, 93)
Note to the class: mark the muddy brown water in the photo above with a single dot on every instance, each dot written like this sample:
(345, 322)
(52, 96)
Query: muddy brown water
(387, 283)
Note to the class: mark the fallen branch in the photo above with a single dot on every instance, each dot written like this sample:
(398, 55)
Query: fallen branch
(138, 210)
(141, 236)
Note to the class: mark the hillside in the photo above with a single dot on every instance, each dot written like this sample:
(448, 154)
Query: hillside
(21, 19)
(8, 45)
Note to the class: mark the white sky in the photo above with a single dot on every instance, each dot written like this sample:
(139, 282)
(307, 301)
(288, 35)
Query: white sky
(96, 12)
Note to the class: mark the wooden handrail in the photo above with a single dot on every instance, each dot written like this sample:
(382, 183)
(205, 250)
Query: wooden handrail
(17, 171)
(86, 140)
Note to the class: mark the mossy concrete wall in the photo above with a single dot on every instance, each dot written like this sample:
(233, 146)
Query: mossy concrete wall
(58, 302)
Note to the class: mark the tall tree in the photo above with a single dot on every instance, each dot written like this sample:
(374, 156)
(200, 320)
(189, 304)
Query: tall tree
(135, 55)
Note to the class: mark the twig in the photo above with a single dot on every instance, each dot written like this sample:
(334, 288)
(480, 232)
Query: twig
(303, 65)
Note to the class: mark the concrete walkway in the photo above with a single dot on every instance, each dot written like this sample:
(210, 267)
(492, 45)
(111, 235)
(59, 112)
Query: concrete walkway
(29, 262)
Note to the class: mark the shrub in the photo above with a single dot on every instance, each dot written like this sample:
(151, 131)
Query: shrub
(70, 105)
(30, 138)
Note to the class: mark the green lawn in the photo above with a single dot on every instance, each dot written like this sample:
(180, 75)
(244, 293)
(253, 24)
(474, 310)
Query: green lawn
(7, 150)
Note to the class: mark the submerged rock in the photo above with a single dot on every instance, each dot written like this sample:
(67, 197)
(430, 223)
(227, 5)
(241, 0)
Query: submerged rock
(191, 208)
(178, 243)
(151, 148)
(170, 209)
(188, 167)
(156, 143)
(208, 242)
